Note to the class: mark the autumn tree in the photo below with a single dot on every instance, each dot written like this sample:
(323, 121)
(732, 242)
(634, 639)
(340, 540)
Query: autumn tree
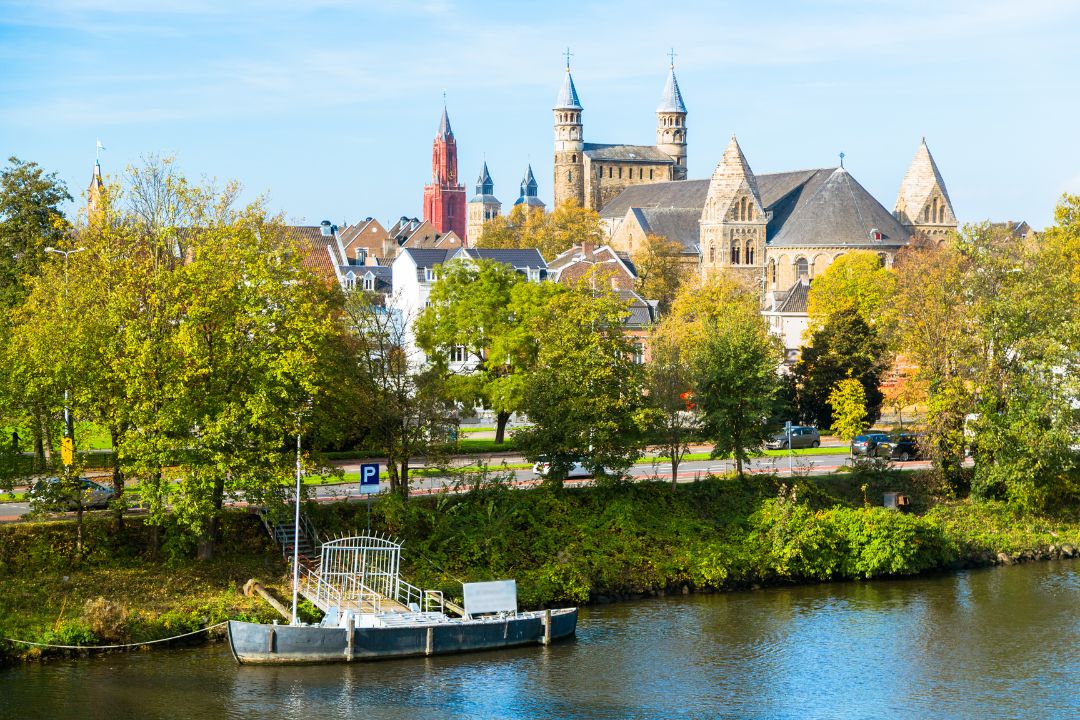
(659, 269)
(550, 233)
(856, 281)
(668, 382)
(848, 403)
(734, 361)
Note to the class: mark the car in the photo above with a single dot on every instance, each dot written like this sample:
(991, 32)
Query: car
(902, 447)
(52, 491)
(577, 469)
(801, 437)
(868, 445)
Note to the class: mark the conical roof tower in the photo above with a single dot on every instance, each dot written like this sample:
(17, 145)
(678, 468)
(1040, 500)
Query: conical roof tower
(923, 203)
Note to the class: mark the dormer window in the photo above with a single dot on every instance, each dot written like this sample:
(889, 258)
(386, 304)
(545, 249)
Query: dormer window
(369, 282)
(350, 281)
(429, 275)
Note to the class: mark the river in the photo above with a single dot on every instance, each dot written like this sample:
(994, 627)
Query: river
(993, 643)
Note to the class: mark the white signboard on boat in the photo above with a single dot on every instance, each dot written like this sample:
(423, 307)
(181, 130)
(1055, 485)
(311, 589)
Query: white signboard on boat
(490, 597)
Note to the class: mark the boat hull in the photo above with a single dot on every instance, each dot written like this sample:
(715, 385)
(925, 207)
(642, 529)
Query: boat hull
(257, 644)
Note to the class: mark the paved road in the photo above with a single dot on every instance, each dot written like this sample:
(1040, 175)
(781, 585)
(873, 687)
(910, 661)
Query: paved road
(688, 472)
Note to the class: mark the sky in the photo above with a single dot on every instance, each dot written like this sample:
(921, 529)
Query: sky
(329, 107)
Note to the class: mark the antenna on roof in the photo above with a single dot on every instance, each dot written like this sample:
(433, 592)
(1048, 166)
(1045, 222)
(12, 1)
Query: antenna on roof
(841, 159)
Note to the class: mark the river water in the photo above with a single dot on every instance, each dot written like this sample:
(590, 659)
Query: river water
(993, 643)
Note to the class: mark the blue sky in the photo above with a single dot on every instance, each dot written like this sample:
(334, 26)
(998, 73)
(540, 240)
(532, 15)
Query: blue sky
(330, 106)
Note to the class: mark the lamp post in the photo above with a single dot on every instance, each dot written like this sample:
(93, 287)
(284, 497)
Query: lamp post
(67, 446)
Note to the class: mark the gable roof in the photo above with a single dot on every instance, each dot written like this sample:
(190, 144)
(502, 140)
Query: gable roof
(382, 275)
(518, 258)
(642, 312)
(795, 302)
(428, 258)
(317, 249)
(627, 153)
(686, 194)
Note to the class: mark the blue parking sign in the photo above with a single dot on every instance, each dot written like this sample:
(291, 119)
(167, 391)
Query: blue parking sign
(369, 478)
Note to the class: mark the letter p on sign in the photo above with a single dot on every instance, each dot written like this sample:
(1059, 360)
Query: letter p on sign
(369, 478)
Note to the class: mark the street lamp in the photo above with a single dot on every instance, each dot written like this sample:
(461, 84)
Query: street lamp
(67, 446)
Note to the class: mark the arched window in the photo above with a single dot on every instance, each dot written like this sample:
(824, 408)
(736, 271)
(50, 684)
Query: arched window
(749, 253)
(734, 253)
(712, 255)
(772, 272)
(570, 175)
(573, 158)
(750, 211)
(620, 173)
(609, 170)
(650, 174)
(802, 269)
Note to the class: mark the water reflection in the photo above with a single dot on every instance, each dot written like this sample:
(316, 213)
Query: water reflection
(998, 643)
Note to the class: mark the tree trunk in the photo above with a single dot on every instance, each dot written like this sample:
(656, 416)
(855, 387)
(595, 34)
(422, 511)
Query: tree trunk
(117, 483)
(404, 490)
(213, 528)
(500, 426)
(674, 470)
(738, 465)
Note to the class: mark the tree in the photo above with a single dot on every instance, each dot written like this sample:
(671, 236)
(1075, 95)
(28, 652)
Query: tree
(857, 281)
(659, 269)
(933, 325)
(848, 403)
(843, 346)
(583, 394)
(478, 307)
(668, 380)
(409, 409)
(734, 363)
(30, 221)
(551, 233)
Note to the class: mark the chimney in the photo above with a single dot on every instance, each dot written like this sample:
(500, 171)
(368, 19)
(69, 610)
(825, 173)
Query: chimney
(587, 249)
(326, 228)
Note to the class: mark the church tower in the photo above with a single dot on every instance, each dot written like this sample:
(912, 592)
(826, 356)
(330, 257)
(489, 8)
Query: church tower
(483, 207)
(733, 221)
(671, 125)
(923, 205)
(569, 144)
(93, 192)
(528, 196)
(444, 198)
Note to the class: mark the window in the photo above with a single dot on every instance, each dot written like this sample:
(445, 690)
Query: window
(369, 282)
(772, 271)
(640, 173)
(620, 173)
(570, 175)
(749, 254)
(350, 281)
(712, 254)
(608, 171)
(458, 354)
(734, 253)
(639, 354)
(881, 259)
(573, 158)
(650, 174)
(802, 269)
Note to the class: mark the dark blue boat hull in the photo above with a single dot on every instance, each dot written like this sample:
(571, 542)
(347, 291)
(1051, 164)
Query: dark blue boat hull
(254, 643)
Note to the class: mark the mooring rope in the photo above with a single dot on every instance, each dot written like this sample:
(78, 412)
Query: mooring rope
(114, 647)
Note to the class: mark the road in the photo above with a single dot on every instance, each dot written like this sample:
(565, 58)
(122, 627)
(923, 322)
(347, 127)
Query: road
(688, 472)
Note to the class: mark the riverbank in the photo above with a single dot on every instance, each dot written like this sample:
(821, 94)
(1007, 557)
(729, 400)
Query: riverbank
(567, 546)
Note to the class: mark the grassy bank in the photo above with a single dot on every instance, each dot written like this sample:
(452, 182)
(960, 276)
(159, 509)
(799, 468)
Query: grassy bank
(562, 545)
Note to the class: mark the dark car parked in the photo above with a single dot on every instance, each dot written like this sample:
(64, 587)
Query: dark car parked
(903, 447)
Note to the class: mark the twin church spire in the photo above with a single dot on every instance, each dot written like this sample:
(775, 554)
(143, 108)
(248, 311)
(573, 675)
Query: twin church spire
(591, 174)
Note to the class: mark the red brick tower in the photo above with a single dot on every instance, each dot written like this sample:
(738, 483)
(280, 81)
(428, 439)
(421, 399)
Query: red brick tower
(444, 198)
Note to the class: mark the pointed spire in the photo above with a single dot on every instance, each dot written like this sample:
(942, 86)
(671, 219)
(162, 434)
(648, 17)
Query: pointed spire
(528, 183)
(921, 182)
(484, 183)
(568, 98)
(671, 99)
(732, 175)
(445, 132)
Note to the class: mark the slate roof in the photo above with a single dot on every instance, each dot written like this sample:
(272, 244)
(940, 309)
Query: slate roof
(682, 225)
(428, 258)
(626, 153)
(518, 258)
(485, 187)
(832, 208)
(688, 194)
(383, 275)
(795, 302)
(823, 206)
(642, 312)
(568, 99)
(671, 99)
(317, 249)
(445, 131)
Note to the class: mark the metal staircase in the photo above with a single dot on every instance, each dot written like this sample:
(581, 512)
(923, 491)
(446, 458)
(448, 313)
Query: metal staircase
(283, 531)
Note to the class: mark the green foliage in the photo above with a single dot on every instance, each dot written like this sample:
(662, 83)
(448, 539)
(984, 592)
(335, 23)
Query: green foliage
(584, 392)
(848, 403)
(658, 262)
(855, 282)
(843, 346)
(551, 233)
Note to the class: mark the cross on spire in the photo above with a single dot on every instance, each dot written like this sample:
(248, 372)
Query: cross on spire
(672, 54)
(841, 159)
(568, 55)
